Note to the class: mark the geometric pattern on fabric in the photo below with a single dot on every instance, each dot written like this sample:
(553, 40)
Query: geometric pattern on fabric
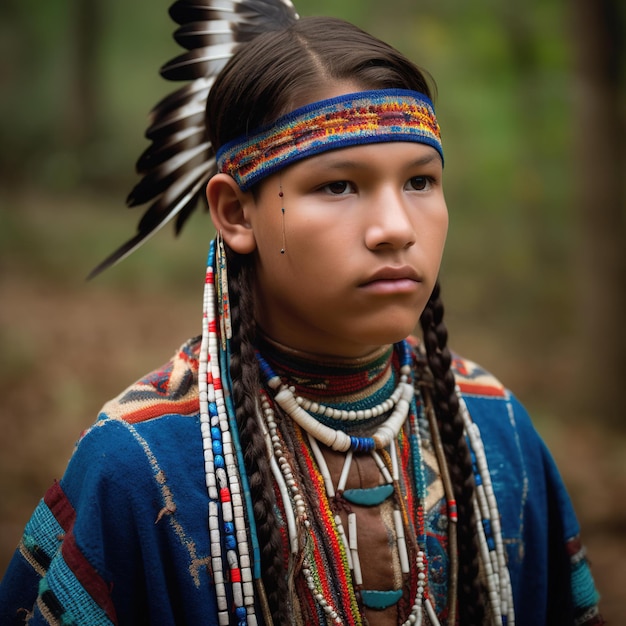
(41, 539)
(584, 592)
(170, 390)
(474, 380)
(70, 586)
(63, 597)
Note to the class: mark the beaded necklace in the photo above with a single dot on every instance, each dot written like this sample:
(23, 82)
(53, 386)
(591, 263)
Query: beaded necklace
(327, 547)
(337, 439)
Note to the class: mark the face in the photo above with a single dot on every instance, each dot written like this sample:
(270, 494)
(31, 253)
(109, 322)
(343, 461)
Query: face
(363, 231)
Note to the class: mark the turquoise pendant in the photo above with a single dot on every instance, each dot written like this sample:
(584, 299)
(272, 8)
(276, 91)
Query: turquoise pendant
(368, 497)
(380, 599)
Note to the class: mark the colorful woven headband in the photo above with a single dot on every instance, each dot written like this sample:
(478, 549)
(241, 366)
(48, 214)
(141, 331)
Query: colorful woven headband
(348, 120)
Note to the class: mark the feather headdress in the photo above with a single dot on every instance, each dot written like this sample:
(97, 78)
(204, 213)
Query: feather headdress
(180, 160)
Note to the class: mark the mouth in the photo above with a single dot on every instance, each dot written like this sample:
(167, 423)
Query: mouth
(392, 280)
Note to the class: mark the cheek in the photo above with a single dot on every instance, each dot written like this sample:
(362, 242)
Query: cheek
(267, 229)
(443, 231)
(440, 226)
(434, 226)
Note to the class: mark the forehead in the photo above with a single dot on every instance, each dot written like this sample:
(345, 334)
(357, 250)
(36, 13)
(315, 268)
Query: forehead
(390, 155)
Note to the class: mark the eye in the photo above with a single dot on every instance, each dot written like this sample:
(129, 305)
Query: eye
(338, 188)
(419, 183)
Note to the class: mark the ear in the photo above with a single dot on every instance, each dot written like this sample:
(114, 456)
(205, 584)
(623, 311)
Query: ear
(229, 207)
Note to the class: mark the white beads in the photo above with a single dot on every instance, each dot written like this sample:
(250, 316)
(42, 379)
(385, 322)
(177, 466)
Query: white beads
(432, 616)
(284, 475)
(350, 415)
(402, 549)
(319, 597)
(226, 504)
(417, 611)
(337, 439)
(354, 550)
(341, 485)
(486, 510)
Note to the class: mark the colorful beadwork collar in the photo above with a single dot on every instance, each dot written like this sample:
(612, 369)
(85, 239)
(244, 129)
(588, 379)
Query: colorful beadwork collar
(348, 120)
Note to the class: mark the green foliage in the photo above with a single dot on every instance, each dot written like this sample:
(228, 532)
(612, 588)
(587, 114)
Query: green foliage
(502, 73)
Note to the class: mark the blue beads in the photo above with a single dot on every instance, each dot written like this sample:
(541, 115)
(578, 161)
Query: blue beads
(267, 371)
(404, 348)
(362, 444)
(491, 544)
(217, 447)
(477, 478)
(242, 615)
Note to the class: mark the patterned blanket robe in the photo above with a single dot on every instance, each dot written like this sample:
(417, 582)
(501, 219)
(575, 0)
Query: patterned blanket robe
(122, 538)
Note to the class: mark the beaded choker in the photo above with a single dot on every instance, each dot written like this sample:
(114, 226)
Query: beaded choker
(353, 119)
(296, 407)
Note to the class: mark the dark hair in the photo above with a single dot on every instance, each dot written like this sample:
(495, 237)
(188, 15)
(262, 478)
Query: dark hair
(279, 71)
(265, 79)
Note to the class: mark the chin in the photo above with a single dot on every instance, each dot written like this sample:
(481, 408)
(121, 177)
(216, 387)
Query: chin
(391, 334)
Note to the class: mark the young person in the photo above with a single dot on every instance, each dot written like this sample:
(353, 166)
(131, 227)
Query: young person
(305, 461)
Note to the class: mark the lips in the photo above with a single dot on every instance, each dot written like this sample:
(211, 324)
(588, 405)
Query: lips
(402, 279)
(393, 273)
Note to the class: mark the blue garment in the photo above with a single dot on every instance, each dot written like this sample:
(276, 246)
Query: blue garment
(123, 537)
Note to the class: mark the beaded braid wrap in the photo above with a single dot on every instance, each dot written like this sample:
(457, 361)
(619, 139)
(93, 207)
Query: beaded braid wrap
(235, 560)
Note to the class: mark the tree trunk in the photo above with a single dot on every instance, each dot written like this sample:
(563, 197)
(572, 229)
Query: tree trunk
(82, 106)
(598, 45)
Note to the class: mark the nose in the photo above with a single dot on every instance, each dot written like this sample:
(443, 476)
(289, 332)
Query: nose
(389, 224)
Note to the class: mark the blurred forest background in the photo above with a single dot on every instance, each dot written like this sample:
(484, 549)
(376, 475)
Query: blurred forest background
(531, 100)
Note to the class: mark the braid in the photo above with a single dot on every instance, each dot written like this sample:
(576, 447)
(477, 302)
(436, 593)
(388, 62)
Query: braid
(245, 386)
(470, 593)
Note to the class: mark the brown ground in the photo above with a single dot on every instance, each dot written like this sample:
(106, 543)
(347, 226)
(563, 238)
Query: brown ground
(65, 350)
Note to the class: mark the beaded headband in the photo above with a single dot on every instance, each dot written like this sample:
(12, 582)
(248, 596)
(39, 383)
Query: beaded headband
(358, 118)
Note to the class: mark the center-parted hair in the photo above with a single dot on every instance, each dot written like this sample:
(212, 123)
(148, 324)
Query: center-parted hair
(274, 74)
(280, 71)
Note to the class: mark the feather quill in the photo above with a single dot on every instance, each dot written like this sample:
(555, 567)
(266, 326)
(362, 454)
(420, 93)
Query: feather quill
(180, 160)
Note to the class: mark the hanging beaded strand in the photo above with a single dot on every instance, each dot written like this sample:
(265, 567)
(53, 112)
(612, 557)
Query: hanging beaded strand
(227, 524)
(450, 501)
(314, 570)
(221, 290)
(489, 532)
(281, 195)
(422, 599)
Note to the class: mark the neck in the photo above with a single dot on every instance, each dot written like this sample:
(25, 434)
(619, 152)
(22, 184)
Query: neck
(333, 380)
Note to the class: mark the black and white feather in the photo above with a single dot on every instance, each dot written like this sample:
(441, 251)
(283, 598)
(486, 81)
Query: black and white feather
(176, 166)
